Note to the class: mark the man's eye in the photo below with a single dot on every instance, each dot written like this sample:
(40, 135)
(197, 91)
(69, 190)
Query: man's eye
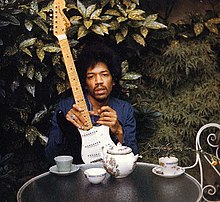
(90, 77)
(104, 75)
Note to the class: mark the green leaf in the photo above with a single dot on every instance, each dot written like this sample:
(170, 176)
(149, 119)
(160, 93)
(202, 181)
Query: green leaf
(31, 134)
(114, 25)
(136, 14)
(212, 28)
(71, 6)
(130, 86)
(51, 48)
(74, 20)
(112, 12)
(150, 19)
(28, 25)
(43, 139)
(34, 7)
(121, 19)
(95, 15)
(27, 51)
(139, 39)
(104, 27)
(22, 69)
(38, 76)
(28, 42)
(90, 10)
(106, 18)
(61, 87)
(155, 25)
(56, 60)
(97, 29)
(119, 37)
(81, 8)
(130, 6)
(40, 54)
(31, 89)
(214, 21)
(144, 31)
(30, 72)
(39, 115)
(198, 28)
(125, 67)
(87, 23)
(122, 11)
(130, 76)
(42, 15)
(82, 32)
(124, 31)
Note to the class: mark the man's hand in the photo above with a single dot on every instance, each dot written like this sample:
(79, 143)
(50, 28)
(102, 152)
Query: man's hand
(75, 116)
(109, 117)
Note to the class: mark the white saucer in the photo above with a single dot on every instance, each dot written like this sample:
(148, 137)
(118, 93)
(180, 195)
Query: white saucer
(54, 170)
(157, 171)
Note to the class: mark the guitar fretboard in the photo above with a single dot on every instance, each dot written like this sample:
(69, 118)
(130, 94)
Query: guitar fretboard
(74, 80)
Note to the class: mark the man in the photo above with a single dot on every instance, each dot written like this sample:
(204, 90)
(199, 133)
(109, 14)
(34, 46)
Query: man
(99, 71)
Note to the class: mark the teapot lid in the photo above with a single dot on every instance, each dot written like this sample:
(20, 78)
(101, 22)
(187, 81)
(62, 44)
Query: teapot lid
(119, 149)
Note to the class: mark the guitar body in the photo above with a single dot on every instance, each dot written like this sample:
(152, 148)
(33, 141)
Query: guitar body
(86, 146)
(94, 142)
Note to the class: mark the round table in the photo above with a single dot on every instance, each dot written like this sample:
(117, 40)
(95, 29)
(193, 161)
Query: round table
(141, 185)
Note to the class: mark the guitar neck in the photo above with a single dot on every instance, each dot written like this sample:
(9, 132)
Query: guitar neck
(74, 80)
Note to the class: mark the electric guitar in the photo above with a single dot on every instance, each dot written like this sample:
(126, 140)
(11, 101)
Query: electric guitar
(95, 139)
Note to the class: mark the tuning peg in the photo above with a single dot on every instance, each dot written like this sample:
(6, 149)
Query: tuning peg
(51, 28)
(50, 17)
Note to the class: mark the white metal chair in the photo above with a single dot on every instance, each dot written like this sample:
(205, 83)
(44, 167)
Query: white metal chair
(212, 140)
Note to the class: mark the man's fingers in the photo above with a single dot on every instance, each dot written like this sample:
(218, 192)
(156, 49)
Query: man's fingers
(77, 119)
(77, 108)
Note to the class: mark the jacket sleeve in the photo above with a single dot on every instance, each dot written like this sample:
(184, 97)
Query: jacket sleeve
(129, 128)
(56, 142)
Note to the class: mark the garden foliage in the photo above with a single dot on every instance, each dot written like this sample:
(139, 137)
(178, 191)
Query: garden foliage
(170, 73)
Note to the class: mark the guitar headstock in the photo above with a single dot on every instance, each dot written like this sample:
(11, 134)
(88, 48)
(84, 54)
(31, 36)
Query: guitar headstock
(60, 21)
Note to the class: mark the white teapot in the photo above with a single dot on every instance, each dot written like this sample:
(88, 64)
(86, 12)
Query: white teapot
(119, 161)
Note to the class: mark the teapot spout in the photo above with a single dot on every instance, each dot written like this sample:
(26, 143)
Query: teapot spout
(136, 157)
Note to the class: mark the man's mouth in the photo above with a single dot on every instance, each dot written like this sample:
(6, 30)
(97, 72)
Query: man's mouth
(100, 91)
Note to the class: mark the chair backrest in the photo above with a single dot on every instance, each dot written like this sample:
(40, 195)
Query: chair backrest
(208, 149)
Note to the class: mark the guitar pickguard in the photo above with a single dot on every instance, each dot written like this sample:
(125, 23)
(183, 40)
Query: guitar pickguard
(94, 142)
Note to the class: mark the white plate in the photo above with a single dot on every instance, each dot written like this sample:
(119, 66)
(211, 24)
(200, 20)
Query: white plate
(54, 170)
(157, 171)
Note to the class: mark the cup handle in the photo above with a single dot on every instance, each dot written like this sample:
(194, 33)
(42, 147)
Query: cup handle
(86, 173)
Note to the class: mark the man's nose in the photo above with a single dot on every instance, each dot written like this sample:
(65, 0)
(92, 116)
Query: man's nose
(99, 79)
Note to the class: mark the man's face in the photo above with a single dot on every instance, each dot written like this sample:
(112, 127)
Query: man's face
(99, 82)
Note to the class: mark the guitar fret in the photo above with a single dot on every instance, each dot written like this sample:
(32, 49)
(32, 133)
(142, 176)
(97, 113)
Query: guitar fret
(79, 99)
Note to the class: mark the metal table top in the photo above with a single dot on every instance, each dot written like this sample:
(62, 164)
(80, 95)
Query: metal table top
(141, 185)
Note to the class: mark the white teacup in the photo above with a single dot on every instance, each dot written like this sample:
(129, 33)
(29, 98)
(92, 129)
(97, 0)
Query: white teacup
(168, 165)
(64, 163)
(95, 175)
